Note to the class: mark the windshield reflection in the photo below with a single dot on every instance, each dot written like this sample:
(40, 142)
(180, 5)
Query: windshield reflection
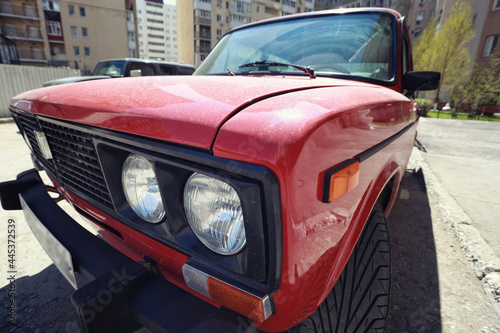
(359, 44)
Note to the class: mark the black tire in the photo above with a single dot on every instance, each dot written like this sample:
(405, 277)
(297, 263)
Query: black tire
(359, 300)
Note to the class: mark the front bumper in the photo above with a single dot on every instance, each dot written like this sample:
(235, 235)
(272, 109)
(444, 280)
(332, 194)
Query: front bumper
(122, 295)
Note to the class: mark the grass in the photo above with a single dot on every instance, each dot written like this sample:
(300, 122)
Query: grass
(462, 116)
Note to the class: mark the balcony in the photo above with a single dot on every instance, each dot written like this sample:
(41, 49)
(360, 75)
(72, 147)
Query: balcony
(202, 35)
(25, 12)
(202, 21)
(202, 49)
(30, 34)
(33, 55)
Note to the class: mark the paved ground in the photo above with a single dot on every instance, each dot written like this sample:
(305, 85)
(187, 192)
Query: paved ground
(462, 163)
(435, 285)
(465, 156)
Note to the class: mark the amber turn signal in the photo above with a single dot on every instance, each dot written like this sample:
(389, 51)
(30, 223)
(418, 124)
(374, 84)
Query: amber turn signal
(241, 301)
(341, 180)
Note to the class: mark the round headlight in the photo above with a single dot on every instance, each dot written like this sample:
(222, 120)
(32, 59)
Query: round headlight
(141, 188)
(214, 212)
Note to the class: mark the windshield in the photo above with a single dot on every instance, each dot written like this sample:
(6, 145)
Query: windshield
(113, 68)
(359, 44)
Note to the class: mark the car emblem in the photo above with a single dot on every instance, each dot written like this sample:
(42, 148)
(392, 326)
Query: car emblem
(43, 144)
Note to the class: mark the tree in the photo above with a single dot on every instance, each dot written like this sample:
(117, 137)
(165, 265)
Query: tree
(444, 48)
(484, 84)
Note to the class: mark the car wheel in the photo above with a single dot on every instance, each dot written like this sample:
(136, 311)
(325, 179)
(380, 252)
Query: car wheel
(359, 300)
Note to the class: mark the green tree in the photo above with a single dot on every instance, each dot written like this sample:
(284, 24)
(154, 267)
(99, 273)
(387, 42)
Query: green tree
(443, 48)
(484, 84)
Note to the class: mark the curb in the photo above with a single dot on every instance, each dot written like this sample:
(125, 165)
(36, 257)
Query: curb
(484, 261)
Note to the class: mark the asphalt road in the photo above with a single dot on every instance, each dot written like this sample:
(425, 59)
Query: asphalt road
(434, 287)
(465, 156)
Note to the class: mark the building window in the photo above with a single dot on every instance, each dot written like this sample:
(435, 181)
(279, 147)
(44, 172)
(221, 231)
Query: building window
(497, 5)
(74, 31)
(219, 18)
(131, 37)
(290, 3)
(82, 12)
(76, 50)
(36, 53)
(85, 32)
(86, 50)
(130, 17)
(490, 45)
(71, 10)
(54, 28)
(219, 3)
(420, 16)
(219, 33)
(205, 14)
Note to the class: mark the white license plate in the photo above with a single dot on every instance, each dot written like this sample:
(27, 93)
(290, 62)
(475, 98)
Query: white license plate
(56, 251)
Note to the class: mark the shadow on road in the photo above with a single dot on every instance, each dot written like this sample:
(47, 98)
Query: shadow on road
(42, 304)
(414, 302)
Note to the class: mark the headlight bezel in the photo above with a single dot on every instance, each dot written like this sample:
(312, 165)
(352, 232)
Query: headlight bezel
(259, 261)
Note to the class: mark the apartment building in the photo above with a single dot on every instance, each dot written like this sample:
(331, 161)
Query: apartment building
(201, 23)
(21, 23)
(419, 17)
(73, 33)
(402, 6)
(486, 17)
(94, 30)
(157, 30)
(289, 7)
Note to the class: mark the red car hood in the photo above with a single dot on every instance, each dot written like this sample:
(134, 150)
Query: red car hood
(182, 109)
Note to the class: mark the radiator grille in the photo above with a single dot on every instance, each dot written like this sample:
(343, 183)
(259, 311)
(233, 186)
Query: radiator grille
(75, 163)
(29, 126)
(76, 160)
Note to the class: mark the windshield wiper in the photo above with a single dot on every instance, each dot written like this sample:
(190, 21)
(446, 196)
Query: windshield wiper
(265, 64)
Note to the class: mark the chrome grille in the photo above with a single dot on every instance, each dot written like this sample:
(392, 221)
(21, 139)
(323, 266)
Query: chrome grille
(76, 160)
(28, 124)
(75, 163)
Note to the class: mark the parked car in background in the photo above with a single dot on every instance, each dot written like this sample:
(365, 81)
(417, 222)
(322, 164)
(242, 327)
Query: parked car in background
(250, 195)
(128, 67)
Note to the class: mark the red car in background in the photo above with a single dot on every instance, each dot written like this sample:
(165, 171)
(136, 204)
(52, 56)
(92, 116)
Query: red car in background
(252, 195)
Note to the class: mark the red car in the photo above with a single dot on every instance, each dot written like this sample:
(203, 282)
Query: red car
(252, 195)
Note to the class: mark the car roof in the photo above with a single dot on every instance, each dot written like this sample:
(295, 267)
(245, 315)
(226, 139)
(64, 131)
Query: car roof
(149, 61)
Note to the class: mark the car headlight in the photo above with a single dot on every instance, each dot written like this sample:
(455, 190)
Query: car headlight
(141, 188)
(214, 212)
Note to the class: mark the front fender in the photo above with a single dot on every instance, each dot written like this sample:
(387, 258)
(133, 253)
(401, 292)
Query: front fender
(299, 136)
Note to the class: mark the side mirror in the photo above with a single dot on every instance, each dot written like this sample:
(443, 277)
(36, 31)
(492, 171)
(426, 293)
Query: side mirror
(413, 81)
(135, 72)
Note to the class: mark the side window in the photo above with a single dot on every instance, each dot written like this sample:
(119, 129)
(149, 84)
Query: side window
(146, 69)
(167, 70)
(185, 70)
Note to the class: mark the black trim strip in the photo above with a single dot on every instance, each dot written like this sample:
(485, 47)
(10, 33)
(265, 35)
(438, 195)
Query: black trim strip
(372, 151)
(359, 158)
